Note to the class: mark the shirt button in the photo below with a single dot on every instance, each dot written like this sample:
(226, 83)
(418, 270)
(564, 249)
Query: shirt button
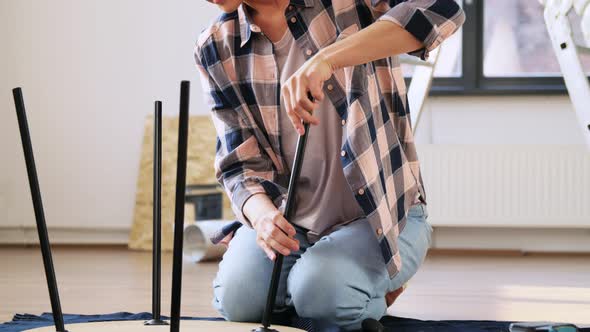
(330, 87)
(343, 153)
(380, 231)
(308, 52)
(361, 191)
(293, 19)
(290, 7)
(343, 122)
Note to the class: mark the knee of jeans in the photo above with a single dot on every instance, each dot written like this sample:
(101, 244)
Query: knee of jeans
(238, 300)
(322, 292)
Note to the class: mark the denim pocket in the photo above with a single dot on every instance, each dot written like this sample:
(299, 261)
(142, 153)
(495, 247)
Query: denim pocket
(418, 211)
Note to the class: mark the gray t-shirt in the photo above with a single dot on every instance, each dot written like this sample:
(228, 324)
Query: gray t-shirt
(324, 199)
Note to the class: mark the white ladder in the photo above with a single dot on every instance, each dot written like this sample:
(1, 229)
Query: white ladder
(566, 50)
(420, 84)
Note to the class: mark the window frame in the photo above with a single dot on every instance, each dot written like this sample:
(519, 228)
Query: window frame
(473, 81)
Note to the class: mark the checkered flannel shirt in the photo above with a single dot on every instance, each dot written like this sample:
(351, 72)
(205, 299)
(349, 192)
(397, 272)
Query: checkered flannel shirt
(241, 82)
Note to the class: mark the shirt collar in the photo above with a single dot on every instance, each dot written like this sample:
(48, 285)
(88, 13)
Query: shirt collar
(247, 27)
(303, 3)
(374, 3)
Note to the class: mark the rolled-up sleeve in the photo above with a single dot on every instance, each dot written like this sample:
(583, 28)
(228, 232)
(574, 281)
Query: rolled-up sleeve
(241, 167)
(430, 21)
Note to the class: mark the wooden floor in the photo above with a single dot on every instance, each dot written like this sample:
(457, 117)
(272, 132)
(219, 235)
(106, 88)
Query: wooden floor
(106, 280)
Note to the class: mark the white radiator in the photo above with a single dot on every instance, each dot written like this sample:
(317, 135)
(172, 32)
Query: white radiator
(544, 186)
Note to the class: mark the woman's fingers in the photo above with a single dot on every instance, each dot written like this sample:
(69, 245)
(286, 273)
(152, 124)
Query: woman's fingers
(285, 226)
(315, 88)
(284, 233)
(303, 101)
(278, 247)
(296, 121)
(309, 79)
(285, 240)
(226, 240)
(303, 105)
(277, 235)
(298, 104)
(307, 117)
(293, 116)
(269, 252)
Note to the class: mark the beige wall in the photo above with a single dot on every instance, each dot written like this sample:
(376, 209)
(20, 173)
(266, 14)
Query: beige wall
(91, 70)
(499, 120)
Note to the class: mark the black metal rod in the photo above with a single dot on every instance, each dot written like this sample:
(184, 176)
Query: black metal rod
(157, 220)
(38, 206)
(179, 206)
(157, 210)
(289, 213)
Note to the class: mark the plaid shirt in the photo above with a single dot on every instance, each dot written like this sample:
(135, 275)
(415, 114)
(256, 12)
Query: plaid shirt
(241, 82)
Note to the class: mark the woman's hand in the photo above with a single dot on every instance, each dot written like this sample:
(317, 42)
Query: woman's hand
(225, 241)
(309, 78)
(275, 233)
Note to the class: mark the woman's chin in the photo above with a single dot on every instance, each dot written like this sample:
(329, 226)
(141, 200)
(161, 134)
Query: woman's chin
(227, 6)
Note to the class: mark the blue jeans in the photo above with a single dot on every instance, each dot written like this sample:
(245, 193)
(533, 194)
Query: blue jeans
(341, 279)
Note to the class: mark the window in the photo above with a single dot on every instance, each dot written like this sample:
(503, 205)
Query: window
(516, 42)
(503, 48)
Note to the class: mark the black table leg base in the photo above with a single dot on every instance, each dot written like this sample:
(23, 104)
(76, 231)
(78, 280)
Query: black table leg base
(264, 329)
(155, 322)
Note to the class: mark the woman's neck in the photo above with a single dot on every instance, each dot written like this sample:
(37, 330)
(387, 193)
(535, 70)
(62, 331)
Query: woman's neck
(266, 7)
(269, 15)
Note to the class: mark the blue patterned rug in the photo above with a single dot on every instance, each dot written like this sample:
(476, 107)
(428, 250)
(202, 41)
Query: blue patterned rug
(22, 322)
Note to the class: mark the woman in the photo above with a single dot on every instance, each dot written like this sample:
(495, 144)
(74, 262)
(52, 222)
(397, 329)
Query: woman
(360, 231)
